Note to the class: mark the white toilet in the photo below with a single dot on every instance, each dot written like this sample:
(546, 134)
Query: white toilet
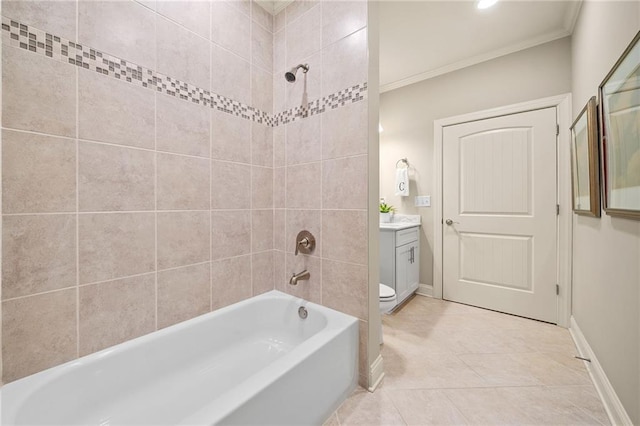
(387, 302)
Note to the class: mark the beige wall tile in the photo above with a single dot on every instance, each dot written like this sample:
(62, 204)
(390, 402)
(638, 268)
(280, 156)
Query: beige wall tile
(130, 111)
(182, 54)
(230, 233)
(304, 141)
(27, 77)
(194, 15)
(262, 230)
(230, 281)
(261, 47)
(279, 53)
(230, 185)
(344, 131)
(279, 139)
(57, 18)
(262, 272)
(230, 137)
(261, 89)
(38, 173)
(307, 87)
(116, 311)
(115, 178)
(345, 183)
(304, 35)
(38, 254)
(310, 289)
(123, 29)
(344, 235)
(113, 245)
(341, 18)
(230, 74)
(183, 238)
(279, 216)
(298, 220)
(182, 127)
(183, 293)
(363, 361)
(279, 269)
(350, 57)
(261, 145)
(345, 287)
(38, 332)
(297, 9)
(243, 6)
(303, 186)
(279, 187)
(261, 16)
(261, 187)
(279, 92)
(280, 21)
(230, 28)
(183, 182)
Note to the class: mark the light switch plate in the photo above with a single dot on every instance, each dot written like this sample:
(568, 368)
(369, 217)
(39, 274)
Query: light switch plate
(422, 201)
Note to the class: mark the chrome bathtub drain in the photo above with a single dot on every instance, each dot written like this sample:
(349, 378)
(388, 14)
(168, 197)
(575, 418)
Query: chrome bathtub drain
(302, 311)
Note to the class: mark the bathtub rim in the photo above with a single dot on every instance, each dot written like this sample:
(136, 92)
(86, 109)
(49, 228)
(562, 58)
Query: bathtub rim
(13, 395)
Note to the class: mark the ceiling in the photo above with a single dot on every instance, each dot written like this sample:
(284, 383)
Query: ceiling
(423, 39)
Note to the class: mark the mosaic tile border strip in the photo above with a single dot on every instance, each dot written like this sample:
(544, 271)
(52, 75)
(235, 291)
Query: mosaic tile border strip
(60, 49)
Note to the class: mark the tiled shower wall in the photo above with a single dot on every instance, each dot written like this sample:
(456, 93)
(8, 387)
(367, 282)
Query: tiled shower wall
(320, 161)
(127, 206)
(139, 141)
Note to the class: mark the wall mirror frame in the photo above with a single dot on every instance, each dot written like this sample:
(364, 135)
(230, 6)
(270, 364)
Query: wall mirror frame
(619, 99)
(585, 176)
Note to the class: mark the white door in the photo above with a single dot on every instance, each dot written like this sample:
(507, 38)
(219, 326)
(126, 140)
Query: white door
(499, 209)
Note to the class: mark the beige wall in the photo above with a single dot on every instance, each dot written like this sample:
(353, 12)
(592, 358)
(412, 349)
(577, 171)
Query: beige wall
(407, 115)
(606, 257)
(321, 159)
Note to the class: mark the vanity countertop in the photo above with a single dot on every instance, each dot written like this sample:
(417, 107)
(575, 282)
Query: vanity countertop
(397, 226)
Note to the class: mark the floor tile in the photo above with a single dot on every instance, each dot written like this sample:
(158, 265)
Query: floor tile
(448, 363)
(365, 408)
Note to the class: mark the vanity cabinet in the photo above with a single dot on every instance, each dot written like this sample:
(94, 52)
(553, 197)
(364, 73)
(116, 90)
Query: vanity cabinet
(399, 259)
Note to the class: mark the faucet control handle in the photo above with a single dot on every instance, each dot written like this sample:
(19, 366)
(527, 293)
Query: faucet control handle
(305, 242)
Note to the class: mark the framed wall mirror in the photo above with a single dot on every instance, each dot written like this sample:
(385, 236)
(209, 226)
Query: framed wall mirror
(585, 161)
(620, 134)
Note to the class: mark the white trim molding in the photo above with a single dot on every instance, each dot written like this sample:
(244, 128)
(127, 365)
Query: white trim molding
(612, 405)
(562, 103)
(376, 373)
(425, 290)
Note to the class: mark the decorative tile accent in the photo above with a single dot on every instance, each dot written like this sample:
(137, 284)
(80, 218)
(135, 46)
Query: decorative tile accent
(60, 49)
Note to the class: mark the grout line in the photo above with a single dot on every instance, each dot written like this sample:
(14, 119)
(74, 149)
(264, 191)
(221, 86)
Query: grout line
(155, 181)
(77, 95)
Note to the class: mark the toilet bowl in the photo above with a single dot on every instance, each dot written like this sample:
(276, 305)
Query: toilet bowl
(387, 302)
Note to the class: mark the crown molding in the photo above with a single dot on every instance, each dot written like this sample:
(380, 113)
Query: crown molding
(475, 60)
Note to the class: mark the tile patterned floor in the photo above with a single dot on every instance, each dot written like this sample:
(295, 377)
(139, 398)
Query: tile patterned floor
(447, 363)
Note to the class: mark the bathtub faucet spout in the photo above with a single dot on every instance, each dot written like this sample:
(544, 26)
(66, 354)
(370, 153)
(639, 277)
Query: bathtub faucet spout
(304, 275)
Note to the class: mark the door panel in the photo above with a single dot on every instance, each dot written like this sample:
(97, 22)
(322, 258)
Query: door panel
(499, 194)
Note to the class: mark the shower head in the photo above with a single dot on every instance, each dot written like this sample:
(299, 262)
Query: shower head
(291, 75)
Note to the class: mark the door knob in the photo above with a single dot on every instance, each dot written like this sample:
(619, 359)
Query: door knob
(450, 222)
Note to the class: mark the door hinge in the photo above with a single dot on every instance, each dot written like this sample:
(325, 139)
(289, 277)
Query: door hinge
(557, 289)
(557, 209)
(557, 130)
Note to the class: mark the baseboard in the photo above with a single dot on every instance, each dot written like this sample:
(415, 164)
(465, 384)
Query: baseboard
(376, 373)
(425, 290)
(616, 412)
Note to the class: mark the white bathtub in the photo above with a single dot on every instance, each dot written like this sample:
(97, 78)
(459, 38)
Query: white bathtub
(256, 362)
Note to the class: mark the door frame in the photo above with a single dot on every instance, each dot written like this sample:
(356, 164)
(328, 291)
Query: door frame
(562, 103)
